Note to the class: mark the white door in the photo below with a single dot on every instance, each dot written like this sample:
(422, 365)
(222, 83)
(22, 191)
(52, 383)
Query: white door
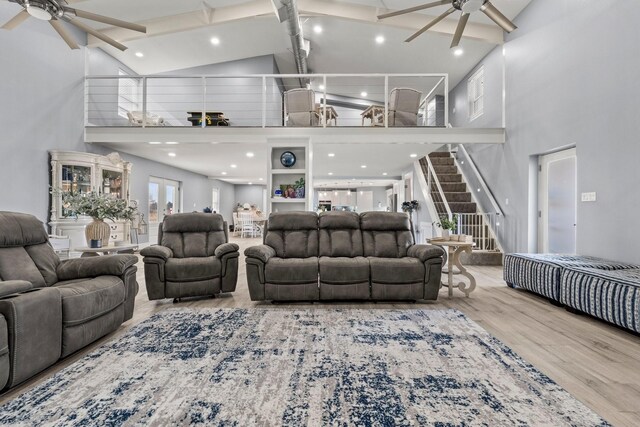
(557, 202)
(164, 199)
(365, 201)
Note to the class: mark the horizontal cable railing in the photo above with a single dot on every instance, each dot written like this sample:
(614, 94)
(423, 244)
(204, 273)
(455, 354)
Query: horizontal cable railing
(345, 100)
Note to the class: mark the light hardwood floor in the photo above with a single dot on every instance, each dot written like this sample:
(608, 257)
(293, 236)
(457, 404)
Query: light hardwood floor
(597, 363)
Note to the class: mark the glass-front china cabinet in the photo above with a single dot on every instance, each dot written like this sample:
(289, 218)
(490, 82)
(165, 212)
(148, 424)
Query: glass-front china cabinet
(83, 173)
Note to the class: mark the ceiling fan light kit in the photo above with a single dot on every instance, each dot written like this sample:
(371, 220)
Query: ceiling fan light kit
(55, 11)
(467, 7)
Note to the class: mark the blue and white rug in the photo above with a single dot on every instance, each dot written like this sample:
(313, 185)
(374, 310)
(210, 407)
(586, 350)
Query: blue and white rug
(272, 367)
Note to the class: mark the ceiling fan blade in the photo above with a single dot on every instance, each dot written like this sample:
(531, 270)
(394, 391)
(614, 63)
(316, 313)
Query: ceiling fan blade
(106, 20)
(414, 9)
(431, 24)
(16, 20)
(95, 33)
(496, 16)
(57, 25)
(462, 23)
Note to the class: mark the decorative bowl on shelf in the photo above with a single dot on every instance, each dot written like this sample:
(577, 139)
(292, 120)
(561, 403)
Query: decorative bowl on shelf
(288, 159)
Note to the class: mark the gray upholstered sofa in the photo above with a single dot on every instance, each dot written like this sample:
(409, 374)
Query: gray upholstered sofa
(340, 256)
(193, 258)
(51, 308)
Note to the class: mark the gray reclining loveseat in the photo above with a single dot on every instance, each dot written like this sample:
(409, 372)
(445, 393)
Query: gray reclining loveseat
(340, 256)
(192, 258)
(51, 308)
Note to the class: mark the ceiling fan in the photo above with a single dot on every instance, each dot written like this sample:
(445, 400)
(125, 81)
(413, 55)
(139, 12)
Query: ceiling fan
(55, 11)
(467, 7)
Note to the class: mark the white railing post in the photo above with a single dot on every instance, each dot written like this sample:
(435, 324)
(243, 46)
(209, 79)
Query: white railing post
(386, 101)
(324, 101)
(446, 100)
(86, 101)
(264, 101)
(144, 102)
(204, 102)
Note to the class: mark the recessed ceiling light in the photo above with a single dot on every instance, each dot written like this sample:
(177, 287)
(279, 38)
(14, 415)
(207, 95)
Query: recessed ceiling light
(363, 94)
(458, 51)
(139, 54)
(413, 155)
(363, 166)
(172, 154)
(384, 174)
(233, 166)
(380, 39)
(224, 173)
(251, 183)
(155, 142)
(321, 87)
(250, 154)
(330, 173)
(317, 29)
(261, 179)
(332, 154)
(215, 41)
(172, 143)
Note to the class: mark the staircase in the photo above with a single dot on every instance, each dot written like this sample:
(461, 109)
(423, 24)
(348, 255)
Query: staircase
(460, 201)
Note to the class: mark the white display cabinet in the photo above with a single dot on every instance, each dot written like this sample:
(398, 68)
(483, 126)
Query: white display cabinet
(84, 173)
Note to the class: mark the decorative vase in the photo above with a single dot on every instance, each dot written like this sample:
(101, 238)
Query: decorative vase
(445, 234)
(300, 193)
(97, 230)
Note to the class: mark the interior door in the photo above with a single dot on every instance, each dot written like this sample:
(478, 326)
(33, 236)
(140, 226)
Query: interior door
(164, 199)
(558, 202)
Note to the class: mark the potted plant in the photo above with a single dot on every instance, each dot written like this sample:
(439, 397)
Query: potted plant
(448, 225)
(99, 207)
(299, 187)
(409, 207)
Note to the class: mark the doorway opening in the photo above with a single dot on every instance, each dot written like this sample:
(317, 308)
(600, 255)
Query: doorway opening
(164, 199)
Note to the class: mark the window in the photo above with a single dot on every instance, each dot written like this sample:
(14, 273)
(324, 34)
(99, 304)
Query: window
(215, 204)
(475, 90)
(128, 94)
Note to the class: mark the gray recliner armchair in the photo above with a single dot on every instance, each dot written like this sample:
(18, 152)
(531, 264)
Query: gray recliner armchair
(192, 258)
(51, 308)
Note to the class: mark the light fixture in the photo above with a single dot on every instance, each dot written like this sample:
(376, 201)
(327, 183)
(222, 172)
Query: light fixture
(478, 190)
(250, 154)
(251, 183)
(139, 54)
(155, 142)
(384, 174)
(233, 166)
(215, 41)
(458, 51)
(317, 29)
(330, 173)
(361, 192)
(39, 12)
(379, 39)
(363, 166)
(321, 87)
(261, 179)
(172, 154)
(224, 173)
(363, 94)
(172, 143)
(332, 154)
(413, 155)
(335, 193)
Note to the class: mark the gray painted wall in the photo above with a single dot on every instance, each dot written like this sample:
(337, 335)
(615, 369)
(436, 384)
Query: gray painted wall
(251, 194)
(568, 84)
(41, 107)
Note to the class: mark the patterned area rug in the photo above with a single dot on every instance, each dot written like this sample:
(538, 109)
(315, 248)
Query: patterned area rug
(301, 367)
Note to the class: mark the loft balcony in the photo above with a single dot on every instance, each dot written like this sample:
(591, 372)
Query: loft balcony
(379, 108)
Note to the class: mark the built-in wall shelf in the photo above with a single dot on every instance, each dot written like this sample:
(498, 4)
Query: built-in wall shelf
(281, 176)
(288, 171)
(287, 200)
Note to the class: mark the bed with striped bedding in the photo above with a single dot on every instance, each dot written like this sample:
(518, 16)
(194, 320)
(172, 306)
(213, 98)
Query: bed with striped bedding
(613, 296)
(541, 273)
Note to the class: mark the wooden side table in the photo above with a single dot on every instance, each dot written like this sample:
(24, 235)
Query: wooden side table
(454, 249)
(106, 250)
(375, 113)
(330, 114)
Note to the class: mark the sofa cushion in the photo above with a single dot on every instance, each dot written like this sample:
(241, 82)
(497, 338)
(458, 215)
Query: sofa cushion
(193, 234)
(386, 234)
(87, 299)
(192, 269)
(396, 270)
(16, 264)
(18, 229)
(340, 234)
(291, 270)
(293, 234)
(344, 270)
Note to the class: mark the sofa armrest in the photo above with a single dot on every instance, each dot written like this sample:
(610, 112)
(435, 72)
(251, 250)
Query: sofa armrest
(226, 248)
(261, 252)
(425, 252)
(108, 265)
(14, 287)
(157, 251)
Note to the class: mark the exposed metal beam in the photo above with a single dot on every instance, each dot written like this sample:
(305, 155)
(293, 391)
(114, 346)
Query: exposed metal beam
(358, 13)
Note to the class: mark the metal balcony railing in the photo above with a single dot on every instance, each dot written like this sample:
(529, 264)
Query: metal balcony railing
(345, 100)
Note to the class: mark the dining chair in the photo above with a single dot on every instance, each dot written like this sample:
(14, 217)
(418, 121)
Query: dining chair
(247, 225)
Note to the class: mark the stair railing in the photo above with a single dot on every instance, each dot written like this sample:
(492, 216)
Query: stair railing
(491, 213)
(432, 179)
